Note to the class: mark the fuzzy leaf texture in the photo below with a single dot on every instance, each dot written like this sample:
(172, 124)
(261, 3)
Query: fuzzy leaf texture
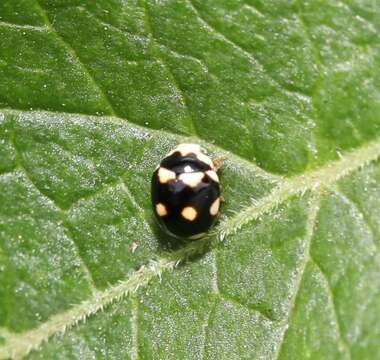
(94, 93)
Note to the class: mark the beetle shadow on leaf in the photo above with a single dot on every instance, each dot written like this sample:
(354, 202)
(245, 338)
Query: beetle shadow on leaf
(192, 250)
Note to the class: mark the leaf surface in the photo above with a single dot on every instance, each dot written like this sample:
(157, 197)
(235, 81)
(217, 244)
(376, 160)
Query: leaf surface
(93, 94)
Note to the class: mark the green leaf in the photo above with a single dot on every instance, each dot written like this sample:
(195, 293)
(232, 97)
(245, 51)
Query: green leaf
(94, 93)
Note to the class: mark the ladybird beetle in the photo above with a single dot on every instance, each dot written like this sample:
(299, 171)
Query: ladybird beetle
(186, 192)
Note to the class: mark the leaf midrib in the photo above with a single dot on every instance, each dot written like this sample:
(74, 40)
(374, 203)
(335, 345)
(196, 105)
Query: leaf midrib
(315, 181)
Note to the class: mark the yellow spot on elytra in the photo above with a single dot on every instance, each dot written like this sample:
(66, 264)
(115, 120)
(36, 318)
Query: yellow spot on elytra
(213, 175)
(186, 149)
(189, 213)
(191, 179)
(161, 209)
(165, 175)
(214, 208)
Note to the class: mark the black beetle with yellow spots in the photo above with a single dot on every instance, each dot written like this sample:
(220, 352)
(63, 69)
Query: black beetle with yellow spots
(186, 192)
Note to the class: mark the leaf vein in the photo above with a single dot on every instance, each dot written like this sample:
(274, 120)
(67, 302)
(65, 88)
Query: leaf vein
(291, 90)
(167, 67)
(24, 27)
(74, 54)
(136, 205)
(314, 181)
(18, 345)
(206, 326)
(233, 300)
(343, 341)
(124, 122)
(123, 32)
(176, 53)
(60, 211)
(134, 328)
(360, 211)
(222, 295)
(318, 80)
(311, 223)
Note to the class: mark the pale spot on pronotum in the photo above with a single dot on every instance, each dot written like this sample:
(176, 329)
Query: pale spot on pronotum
(189, 213)
(213, 175)
(191, 179)
(165, 175)
(161, 209)
(186, 149)
(205, 159)
(215, 207)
